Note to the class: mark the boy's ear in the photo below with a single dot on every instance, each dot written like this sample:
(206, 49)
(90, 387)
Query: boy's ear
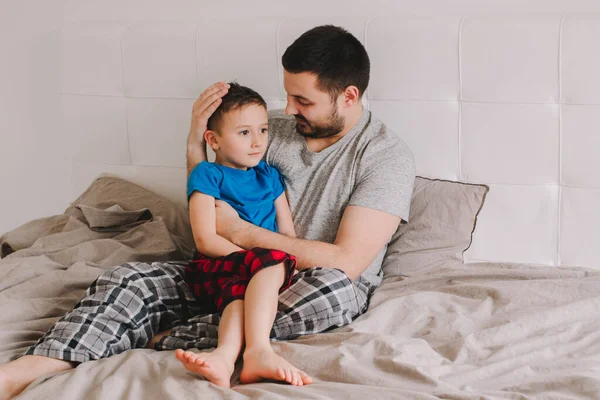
(211, 138)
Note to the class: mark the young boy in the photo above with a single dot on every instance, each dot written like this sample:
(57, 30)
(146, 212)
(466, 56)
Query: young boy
(242, 285)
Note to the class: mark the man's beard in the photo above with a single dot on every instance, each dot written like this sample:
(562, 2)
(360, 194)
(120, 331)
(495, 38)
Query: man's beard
(331, 128)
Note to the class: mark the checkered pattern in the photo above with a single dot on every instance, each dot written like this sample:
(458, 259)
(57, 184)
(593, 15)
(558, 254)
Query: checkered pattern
(127, 305)
(222, 280)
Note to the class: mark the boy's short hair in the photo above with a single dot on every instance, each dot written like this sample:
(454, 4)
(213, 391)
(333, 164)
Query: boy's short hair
(237, 97)
(333, 54)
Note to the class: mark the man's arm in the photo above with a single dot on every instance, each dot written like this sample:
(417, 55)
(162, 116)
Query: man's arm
(362, 233)
(204, 107)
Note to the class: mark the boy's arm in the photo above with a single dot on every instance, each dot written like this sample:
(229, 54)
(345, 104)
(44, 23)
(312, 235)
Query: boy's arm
(204, 107)
(202, 218)
(285, 223)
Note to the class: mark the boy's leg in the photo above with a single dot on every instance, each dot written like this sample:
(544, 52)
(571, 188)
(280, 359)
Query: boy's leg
(260, 308)
(217, 366)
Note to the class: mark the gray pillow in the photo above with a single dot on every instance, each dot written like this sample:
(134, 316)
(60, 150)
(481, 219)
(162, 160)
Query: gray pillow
(442, 219)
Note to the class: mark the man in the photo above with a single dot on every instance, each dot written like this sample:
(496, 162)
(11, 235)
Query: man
(349, 183)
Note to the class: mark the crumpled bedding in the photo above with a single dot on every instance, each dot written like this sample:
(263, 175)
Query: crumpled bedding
(472, 331)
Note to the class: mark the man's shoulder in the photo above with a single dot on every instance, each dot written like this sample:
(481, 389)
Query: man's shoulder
(381, 139)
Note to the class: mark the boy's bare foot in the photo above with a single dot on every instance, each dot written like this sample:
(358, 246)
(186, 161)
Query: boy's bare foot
(263, 363)
(215, 366)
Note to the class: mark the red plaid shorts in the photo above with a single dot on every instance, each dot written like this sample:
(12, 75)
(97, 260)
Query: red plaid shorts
(221, 280)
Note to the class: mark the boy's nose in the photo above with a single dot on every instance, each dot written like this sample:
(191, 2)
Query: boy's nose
(256, 140)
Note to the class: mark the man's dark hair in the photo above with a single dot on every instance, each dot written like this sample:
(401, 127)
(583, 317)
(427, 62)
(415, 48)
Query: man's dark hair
(334, 55)
(237, 97)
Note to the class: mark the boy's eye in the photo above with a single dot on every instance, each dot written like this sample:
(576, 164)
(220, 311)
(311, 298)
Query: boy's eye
(264, 130)
(244, 132)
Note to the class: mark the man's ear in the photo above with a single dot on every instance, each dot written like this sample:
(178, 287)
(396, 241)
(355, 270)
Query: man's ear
(351, 96)
(211, 138)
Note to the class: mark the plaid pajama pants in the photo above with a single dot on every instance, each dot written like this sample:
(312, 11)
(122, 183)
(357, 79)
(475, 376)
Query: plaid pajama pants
(129, 304)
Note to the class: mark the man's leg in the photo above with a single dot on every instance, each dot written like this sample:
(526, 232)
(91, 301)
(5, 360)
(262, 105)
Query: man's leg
(260, 361)
(120, 310)
(319, 299)
(217, 366)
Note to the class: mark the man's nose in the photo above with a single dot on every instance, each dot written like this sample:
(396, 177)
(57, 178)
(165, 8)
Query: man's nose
(290, 109)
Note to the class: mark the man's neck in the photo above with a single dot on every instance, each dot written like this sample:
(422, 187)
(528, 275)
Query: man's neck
(318, 144)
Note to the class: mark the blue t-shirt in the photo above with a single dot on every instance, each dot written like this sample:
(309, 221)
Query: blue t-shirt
(252, 193)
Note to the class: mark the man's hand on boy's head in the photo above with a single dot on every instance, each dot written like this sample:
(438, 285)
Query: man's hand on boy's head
(204, 106)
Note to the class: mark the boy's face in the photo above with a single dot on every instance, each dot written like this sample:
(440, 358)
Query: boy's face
(316, 115)
(242, 137)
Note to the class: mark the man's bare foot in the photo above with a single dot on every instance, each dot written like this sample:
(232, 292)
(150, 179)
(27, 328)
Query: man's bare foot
(215, 366)
(18, 374)
(8, 387)
(263, 363)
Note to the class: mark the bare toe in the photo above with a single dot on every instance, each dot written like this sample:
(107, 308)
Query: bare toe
(213, 366)
(199, 361)
(263, 363)
(306, 380)
(179, 354)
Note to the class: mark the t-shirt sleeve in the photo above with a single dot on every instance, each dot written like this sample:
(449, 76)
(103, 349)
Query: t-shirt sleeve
(205, 178)
(385, 180)
(277, 182)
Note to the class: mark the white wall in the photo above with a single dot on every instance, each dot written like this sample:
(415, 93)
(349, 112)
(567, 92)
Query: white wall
(190, 9)
(33, 173)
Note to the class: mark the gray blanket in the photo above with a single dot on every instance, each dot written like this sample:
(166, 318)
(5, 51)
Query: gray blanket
(474, 331)
(48, 263)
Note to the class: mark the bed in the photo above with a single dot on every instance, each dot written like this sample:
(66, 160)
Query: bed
(489, 292)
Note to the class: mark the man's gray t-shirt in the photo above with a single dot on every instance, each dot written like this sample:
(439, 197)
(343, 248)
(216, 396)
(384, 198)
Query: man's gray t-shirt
(369, 167)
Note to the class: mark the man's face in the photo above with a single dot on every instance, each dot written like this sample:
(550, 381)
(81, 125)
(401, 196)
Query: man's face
(316, 115)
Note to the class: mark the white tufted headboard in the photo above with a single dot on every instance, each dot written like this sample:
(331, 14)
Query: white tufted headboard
(511, 101)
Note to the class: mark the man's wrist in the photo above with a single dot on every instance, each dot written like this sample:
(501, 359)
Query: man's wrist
(240, 233)
(195, 146)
